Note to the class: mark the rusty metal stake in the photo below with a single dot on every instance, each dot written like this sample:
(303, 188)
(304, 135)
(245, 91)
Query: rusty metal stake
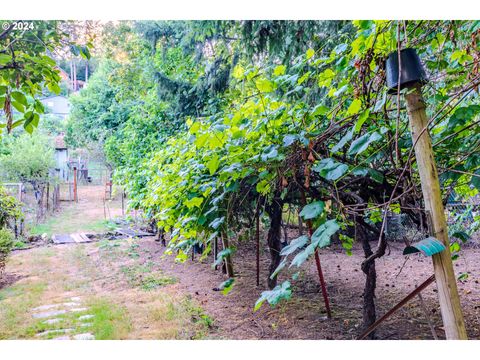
(257, 239)
(396, 307)
(318, 264)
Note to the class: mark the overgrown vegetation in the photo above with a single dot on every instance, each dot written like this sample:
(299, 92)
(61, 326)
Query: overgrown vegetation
(6, 245)
(254, 116)
(9, 211)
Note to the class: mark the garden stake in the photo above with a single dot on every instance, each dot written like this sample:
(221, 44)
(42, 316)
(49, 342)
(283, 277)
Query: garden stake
(257, 239)
(411, 77)
(310, 233)
(442, 262)
(318, 264)
(396, 307)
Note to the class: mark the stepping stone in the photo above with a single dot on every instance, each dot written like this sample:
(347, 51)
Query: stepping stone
(46, 307)
(58, 331)
(75, 298)
(52, 321)
(86, 336)
(71, 304)
(86, 317)
(79, 309)
(86, 324)
(66, 337)
(49, 314)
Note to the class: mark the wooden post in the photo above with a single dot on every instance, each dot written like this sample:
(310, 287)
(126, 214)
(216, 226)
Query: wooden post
(228, 258)
(123, 202)
(215, 251)
(442, 262)
(75, 195)
(48, 194)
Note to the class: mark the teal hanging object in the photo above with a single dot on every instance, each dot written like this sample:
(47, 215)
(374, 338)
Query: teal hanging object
(428, 247)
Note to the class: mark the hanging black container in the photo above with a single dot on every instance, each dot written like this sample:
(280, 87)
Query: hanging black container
(412, 70)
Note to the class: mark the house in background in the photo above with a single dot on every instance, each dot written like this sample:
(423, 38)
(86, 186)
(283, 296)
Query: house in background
(61, 157)
(57, 105)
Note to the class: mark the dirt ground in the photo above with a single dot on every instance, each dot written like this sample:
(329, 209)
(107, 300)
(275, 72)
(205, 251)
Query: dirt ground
(164, 299)
(304, 316)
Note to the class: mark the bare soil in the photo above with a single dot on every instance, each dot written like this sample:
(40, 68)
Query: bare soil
(304, 316)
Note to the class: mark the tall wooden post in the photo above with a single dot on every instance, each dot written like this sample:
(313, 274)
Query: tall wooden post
(228, 258)
(75, 195)
(123, 202)
(442, 262)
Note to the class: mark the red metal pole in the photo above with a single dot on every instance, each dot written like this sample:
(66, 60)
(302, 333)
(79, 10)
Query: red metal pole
(319, 266)
(257, 238)
(320, 274)
(322, 285)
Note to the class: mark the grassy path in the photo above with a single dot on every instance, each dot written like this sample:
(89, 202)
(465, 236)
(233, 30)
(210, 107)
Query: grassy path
(89, 214)
(128, 299)
(122, 295)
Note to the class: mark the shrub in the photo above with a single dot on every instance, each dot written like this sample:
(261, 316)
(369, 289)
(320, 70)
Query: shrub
(27, 158)
(9, 208)
(6, 245)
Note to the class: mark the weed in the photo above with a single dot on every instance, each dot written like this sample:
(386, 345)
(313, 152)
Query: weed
(132, 251)
(143, 276)
(197, 314)
(19, 245)
(154, 281)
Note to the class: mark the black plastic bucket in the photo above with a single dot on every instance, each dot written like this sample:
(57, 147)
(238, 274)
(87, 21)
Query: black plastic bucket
(412, 70)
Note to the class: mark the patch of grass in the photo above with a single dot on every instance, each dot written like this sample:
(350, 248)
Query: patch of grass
(19, 244)
(110, 321)
(67, 222)
(144, 277)
(154, 281)
(15, 303)
(132, 251)
(41, 229)
(198, 315)
(174, 317)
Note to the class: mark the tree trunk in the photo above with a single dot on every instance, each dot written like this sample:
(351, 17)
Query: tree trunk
(274, 238)
(228, 259)
(369, 315)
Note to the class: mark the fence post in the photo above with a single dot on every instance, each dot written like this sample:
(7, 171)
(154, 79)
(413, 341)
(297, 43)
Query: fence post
(75, 195)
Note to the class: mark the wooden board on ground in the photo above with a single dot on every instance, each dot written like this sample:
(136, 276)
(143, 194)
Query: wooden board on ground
(70, 238)
(62, 239)
(80, 238)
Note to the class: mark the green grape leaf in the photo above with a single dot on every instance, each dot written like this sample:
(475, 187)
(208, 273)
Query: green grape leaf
(313, 210)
